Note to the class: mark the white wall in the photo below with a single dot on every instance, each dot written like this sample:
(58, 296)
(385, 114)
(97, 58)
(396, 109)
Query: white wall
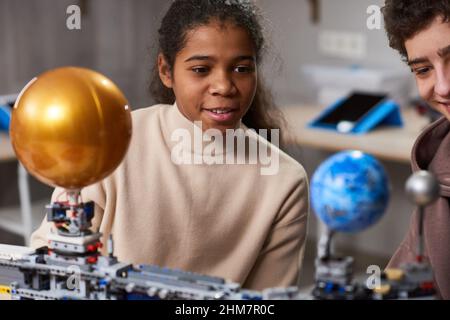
(116, 38)
(294, 41)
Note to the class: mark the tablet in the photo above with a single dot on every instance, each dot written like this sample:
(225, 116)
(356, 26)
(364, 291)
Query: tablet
(359, 113)
(352, 109)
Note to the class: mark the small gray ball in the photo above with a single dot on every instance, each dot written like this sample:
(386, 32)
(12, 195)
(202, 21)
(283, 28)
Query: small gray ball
(422, 188)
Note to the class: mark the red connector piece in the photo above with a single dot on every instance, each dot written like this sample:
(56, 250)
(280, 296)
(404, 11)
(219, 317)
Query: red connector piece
(91, 259)
(94, 247)
(427, 285)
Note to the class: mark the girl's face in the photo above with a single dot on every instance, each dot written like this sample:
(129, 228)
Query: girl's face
(214, 76)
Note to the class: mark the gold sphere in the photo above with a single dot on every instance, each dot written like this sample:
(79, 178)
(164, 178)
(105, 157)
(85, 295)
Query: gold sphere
(70, 127)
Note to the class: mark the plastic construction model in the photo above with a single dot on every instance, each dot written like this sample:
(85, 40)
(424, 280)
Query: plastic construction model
(72, 268)
(411, 281)
(334, 277)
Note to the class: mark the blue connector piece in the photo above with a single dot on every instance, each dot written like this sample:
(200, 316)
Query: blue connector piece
(5, 117)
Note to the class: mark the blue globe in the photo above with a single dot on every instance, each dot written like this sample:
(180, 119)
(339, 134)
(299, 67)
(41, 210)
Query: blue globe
(350, 191)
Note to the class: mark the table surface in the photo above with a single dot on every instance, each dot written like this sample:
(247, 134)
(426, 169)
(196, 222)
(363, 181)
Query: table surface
(387, 143)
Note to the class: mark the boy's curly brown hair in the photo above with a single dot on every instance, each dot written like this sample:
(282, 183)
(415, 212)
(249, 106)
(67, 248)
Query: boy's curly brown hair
(405, 18)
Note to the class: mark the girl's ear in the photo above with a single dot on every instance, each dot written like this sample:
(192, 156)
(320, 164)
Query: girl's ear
(164, 71)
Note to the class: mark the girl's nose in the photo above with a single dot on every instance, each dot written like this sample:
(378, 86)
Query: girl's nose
(222, 85)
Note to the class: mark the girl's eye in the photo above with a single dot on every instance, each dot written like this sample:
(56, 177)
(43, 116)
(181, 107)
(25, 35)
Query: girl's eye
(200, 69)
(243, 69)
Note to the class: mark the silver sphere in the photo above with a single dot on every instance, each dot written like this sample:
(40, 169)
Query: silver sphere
(422, 188)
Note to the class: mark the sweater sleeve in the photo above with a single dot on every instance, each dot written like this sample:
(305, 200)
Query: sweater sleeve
(279, 263)
(92, 193)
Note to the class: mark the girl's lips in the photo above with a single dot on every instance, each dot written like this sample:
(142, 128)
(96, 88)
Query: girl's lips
(221, 117)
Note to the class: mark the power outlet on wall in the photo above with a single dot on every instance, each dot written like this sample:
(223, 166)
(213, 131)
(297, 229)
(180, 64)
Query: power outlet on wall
(343, 44)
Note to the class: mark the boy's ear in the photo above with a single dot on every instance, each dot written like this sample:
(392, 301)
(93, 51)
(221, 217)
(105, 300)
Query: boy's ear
(164, 71)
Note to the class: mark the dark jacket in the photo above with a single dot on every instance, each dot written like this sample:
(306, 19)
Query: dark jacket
(432, 152)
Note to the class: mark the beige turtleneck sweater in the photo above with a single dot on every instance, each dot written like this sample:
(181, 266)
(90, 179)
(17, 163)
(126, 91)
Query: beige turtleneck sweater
(225, 220)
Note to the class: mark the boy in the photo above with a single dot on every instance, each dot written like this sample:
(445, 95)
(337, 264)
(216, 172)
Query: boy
(420, 31)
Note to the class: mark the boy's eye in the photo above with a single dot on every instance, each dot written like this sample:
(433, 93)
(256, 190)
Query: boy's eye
(421, 71)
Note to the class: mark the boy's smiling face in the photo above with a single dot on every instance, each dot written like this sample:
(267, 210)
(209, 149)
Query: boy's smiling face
(214, 76)
(429, 58)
